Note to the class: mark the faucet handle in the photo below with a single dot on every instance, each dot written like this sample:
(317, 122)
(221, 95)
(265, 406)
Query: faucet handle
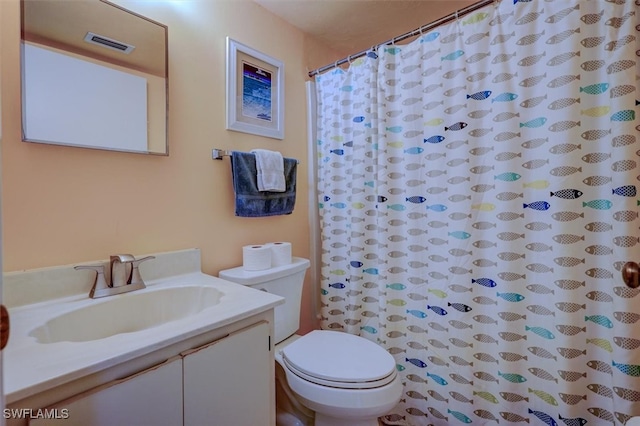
(135, 277)
(99, 283)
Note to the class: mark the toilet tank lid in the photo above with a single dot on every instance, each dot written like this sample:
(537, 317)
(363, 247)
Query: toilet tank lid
(240, 276)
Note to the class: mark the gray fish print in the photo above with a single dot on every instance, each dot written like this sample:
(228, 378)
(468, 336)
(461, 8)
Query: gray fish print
(479, 76)
(617, 22)
(557, 17)
(565, 170)
(562, 58)
(562, 81)
(477, 57)
(531, 60)
(532, 81)
(529, 17)
(599, 250)
(593, 65)
(559, 38)
(534, 143)
(504, 116)
(529, 39)
(592, 18)
(540, 289)
(504, 77)
(591, 42)
(614, 45)
(476, 38)
(564, 148)
(500, 19)
(563, 103)
(533, 102)
(620, 65)
(502, 38)
(621, 90)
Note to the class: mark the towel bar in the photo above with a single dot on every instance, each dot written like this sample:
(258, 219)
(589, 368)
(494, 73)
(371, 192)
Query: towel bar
(218, 154)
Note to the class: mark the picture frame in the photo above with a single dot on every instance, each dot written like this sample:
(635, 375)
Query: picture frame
(255, 91)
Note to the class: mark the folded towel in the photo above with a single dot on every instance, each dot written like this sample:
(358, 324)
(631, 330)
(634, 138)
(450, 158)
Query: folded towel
(270, 170)
(250, 201)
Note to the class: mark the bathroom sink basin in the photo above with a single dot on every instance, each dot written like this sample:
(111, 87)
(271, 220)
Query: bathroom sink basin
(127, 313)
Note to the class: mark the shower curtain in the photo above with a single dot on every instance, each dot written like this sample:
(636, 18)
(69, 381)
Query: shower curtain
(478, 197)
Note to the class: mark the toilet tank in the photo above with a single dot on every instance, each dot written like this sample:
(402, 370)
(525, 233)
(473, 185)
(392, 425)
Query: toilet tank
(285, 281)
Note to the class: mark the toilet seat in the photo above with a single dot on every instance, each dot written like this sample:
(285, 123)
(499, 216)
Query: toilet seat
(339, 360)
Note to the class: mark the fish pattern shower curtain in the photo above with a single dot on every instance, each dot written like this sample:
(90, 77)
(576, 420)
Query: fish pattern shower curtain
(478, 198)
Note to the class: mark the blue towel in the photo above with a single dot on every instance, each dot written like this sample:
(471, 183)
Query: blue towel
(250, 202)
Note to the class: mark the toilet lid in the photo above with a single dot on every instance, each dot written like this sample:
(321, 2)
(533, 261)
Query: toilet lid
(339, 359)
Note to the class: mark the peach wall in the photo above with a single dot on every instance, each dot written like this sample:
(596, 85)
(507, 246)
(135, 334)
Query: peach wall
(63, 205)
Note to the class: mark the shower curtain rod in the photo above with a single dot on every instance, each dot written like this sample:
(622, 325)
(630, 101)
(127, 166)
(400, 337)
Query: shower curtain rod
(417, 31)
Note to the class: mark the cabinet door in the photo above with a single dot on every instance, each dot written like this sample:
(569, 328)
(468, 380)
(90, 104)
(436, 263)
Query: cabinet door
(152, 397)
(229, 382)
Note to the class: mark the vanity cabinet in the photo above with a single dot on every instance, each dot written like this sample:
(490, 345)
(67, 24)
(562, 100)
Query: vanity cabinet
(228, 381)
(150, 397)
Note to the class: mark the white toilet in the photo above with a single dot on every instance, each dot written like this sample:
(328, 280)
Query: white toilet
(324, 377)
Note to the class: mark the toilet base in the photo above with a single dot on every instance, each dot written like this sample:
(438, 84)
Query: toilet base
(324, 420)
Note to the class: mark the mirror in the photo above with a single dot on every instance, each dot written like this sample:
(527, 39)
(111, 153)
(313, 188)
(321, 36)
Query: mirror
(94, 75)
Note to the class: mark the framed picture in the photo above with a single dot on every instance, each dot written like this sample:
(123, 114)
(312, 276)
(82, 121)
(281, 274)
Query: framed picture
(255, 91)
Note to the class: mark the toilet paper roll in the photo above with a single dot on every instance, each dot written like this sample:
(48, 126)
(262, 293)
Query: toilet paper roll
(280, 253)
(256, 257)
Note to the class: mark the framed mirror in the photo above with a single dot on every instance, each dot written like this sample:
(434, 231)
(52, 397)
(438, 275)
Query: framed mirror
(94, 75)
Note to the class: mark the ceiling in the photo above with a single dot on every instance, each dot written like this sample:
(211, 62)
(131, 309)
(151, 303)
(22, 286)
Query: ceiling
(350, 26)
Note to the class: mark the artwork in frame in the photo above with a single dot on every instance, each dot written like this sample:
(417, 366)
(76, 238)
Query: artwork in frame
(255, 91)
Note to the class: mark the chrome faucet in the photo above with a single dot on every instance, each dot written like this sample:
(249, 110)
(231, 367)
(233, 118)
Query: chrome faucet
(124, 276)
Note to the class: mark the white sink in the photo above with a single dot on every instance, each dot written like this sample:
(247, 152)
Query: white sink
(126, 313)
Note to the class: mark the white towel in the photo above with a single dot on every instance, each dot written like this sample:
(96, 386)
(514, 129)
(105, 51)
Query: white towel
(270, 170)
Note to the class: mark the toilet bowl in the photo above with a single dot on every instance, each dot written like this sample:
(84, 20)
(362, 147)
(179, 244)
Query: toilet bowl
(325, 377)
(344, 379)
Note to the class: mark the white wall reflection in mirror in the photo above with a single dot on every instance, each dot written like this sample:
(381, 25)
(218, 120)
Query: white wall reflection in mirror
(106, 95)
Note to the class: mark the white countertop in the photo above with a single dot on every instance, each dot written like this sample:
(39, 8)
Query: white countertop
(31, 367)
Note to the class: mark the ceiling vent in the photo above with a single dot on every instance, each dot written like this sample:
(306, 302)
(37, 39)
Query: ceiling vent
(108, 43)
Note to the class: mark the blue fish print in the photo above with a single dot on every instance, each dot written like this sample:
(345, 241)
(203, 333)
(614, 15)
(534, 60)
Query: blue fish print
(416, 199)
(511, 297)
(624, 115)
(600, 320)
(628, 369)
(437, 207)
(508, 176)
(544, 417)
(337, 285)
(537, 205)
(598, 204)
(417, 362)
(337, 151)
(371, 54)
(348, 144)
(416, 313)
(460, 416)
(521, 1)
(479, 96)
(400, 367)
(487, 282)
(595, 89)
(461, 235)
(394, 129)
(396, 286)
(358, 119)
(504, 97)
(397, 207)
(372, 271)
(382, 198)
(540, 331)
(339, 205)
(369, 329)
(625, 191)
(413, 150)
(430, 37)
(439, 380)
(346, 88)
(437, 309)
(452, 56)
(434, 139)
(356, 263)
(393, 50)
(536, 122)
